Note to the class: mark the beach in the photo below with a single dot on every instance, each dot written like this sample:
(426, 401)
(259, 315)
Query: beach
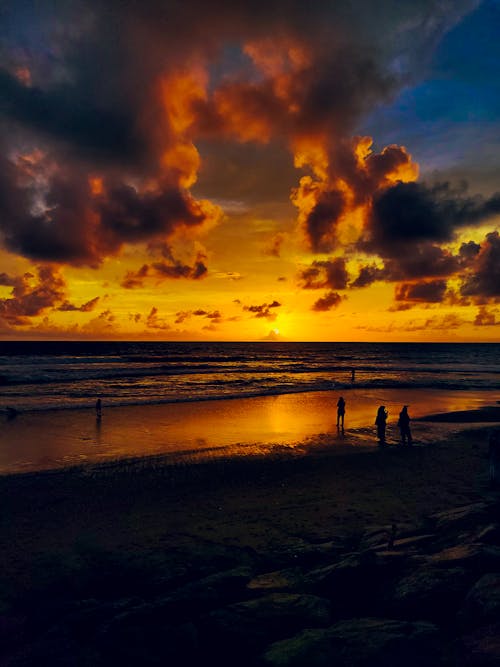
(158, 518)
(201, 430)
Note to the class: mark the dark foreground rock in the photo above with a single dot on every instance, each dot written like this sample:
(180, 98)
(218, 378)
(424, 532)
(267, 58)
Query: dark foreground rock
(363, 642)
(482, 604)
(416, 595)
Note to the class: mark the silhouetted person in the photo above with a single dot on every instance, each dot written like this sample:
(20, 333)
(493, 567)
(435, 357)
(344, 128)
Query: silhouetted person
(404, 426)
(340, 413)
(98, 408)
(494, 455)
(380, 422)
(353, 374)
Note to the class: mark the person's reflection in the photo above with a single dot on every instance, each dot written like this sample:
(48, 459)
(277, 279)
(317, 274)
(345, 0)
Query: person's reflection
(98, 431)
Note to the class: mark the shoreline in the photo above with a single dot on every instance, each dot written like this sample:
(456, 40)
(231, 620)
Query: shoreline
(187, 432)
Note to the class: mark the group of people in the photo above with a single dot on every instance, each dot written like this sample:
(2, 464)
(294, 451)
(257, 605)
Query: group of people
(380, 422)
(403, 424)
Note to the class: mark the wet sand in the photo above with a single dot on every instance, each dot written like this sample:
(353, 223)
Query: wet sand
(190, 432)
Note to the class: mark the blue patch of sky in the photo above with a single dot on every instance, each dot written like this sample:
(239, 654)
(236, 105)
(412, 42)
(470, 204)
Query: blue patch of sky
(230, 64)
(455, 108)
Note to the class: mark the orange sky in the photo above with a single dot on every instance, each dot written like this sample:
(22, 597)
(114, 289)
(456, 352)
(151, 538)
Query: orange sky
(229, 193)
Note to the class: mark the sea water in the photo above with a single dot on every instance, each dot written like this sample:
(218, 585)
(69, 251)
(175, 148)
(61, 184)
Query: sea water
(59, 375)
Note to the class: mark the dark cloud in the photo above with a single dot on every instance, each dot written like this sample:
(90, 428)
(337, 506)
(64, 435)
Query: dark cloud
(483, 279)
(348, 177)
(423, 269)
(215, 316)
(121, 89)
(321, 222)
(421, 260)
(134, 279)
(415, 212)
(327, 302)
(66, 114)
(486, 318)
(328, 273)
(367, 275)
(84, 308)
(264, 310)
(128, 216)
(179, 270)
(164, 270)
(432, 291)
(63, 220)
(468, 251)
(154, 321)
(31, 295)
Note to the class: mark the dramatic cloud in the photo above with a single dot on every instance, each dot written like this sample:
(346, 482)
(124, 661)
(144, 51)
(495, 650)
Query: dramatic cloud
(63, 216)
(410, 213)
(215, 316)
(486, 318)
(327, 302)
(426, 292)
(329, 273)
(367, 275)
(154, 321)
(484, 278)
(164, 270)
(263, 310)
(62, 113)
(127, 109)
(84, 308)
(31, 295)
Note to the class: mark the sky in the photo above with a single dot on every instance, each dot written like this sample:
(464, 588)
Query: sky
(270, 170)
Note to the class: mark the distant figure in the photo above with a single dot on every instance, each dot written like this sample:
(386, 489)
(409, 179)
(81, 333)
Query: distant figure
(98, 408)
(404, 426)
(494, 456)
(353, 375)
(380, 422)
(340, 414)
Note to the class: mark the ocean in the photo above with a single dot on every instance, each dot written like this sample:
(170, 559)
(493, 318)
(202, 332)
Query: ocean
(61, 375)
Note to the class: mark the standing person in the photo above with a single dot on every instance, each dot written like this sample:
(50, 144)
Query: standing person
(381, 421)
(404, 426)
(340, 413)
(98, 408)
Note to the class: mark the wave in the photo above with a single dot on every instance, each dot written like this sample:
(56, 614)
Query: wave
(71, 376)
(37, 376)
(82, 400)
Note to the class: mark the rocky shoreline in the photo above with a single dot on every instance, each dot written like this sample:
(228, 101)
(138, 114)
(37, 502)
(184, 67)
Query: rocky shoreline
(422, 595)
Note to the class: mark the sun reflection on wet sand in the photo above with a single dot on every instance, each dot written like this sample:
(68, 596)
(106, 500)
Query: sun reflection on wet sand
(37, 441)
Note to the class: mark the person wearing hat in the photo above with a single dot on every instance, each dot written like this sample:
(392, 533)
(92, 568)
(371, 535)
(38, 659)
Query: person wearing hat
(404, 426)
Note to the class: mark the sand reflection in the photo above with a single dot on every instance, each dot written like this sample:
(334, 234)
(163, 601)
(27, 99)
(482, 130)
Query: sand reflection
(54, 439)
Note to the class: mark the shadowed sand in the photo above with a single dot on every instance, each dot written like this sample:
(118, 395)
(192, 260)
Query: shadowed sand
(145, 507)
(81, 544)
